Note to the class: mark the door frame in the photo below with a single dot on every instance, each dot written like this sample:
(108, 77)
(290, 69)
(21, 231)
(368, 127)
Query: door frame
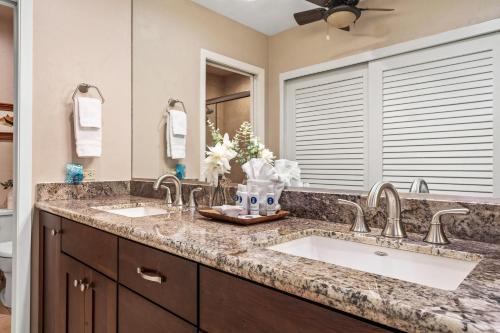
(23, 94)
(258, 95)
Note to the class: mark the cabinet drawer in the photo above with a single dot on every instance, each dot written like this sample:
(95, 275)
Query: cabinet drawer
(177, 290)
(136, 314)
(96, 248)
(230, 304)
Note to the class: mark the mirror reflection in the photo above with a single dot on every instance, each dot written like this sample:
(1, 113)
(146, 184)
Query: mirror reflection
(335, 94)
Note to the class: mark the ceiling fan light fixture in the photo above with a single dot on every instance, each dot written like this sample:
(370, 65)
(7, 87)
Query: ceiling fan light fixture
(342, 16)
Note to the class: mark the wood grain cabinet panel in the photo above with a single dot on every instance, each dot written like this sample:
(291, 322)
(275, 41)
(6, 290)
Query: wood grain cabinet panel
(94, 247)
(72, 300)
(88, 301)
(49, 250)
(230, 304)
(136, 314)
(167, 280)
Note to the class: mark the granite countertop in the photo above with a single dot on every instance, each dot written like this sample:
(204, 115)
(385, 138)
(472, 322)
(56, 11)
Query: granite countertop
(473, 307)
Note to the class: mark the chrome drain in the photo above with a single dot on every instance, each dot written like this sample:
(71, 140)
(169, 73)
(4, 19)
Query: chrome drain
(381, 253)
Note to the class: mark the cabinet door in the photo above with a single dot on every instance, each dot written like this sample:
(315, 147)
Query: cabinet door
(230, 304)
(100, 302)
(136, 314)
(72, 299)
(49, 251)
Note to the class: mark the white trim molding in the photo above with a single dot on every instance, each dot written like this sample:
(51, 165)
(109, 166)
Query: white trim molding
(258, 101)
(23, 169)
(377, 54)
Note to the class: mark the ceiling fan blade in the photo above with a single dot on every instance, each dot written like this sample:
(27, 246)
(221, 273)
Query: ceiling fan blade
(309, 16)
(378, 9)
(322, 3)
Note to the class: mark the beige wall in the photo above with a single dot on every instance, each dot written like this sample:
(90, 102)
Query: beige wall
(168, 37)
(307, 45)
(6, 90)
(81, 41)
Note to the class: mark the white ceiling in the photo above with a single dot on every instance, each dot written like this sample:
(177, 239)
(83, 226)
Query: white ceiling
(266, 16)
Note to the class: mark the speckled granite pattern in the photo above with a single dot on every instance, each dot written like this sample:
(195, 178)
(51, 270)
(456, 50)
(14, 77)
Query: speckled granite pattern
(86, 190)
(482, 224)
(240, 250)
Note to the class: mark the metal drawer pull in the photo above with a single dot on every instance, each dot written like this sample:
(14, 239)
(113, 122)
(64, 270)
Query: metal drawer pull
(53, 232)
(76, 283)
(150, 276)
(85, 286)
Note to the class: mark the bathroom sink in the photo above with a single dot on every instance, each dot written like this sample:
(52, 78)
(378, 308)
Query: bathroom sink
(136, 211)
(428, 270)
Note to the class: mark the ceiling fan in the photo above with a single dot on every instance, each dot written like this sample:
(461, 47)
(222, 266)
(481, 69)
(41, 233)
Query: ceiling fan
(338, 13)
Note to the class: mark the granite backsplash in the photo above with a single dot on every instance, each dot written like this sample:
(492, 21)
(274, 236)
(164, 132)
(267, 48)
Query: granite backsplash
(482, 224)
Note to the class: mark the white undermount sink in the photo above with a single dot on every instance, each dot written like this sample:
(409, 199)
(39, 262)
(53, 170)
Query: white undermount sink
(429, 270)
(136, 211)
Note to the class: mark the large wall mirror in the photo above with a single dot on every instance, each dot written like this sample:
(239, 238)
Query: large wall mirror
(408, 95)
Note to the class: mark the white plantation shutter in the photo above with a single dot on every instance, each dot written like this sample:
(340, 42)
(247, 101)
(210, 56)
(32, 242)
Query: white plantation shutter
(327, 123)
(437, 109)
(432, 113)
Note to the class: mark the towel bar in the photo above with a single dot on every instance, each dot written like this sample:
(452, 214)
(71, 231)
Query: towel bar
(172, 102)
(84, 88)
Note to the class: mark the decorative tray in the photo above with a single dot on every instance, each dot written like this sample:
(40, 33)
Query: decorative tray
(215, 215)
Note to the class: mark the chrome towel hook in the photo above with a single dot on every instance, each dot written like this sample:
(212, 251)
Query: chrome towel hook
(84, 88)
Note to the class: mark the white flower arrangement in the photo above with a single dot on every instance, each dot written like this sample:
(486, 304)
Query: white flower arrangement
(248, 146)
(218, 158)
(244, 147)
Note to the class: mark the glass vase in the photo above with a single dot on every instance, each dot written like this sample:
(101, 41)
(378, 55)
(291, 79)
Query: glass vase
(218, 193)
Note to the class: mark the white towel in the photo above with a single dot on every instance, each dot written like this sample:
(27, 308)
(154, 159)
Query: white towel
(89, 112)
(176, 144)
(178, 120)
(88, 139)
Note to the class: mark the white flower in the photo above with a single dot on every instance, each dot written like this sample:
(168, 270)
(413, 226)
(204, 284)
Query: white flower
(217, 160)
(267, 155)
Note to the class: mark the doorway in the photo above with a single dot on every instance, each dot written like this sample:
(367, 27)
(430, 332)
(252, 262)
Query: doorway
(228, 105)
(7, 97)
(239, 98)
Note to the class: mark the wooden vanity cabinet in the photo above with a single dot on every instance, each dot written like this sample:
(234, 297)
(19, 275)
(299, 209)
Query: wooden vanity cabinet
(94, 282)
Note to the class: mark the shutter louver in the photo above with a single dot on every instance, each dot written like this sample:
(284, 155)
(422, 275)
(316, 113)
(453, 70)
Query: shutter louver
(330, 131)
(438, 124)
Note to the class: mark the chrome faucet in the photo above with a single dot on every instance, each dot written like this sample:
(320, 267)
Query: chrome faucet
(419, 185)
(359, 224)
(192, 197)
(436, 234)
(393, 226)
(168, 197)
(177, 183)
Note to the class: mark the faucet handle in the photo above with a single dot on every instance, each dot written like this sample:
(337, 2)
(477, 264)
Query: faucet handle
(359, 224)
(168, 197)
(436, 234)
(192, 198)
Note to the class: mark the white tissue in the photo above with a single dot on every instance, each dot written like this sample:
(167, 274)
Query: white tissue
(288, 172)
(259, 169)
(229, 210)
